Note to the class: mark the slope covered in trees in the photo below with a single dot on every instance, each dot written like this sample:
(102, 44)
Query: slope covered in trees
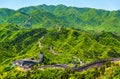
(19, 43)
(62, 33)
(63, 16)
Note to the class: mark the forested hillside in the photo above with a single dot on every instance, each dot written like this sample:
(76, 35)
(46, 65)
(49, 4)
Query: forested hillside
(62, 33)
(18, 43)
(62, 16)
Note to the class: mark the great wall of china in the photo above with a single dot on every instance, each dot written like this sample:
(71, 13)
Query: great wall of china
(84, 67)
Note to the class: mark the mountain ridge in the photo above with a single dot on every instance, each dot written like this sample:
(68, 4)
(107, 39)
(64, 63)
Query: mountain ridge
(62, 33)
(63, 16)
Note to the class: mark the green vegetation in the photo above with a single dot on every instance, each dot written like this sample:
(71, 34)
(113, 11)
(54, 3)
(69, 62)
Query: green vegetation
(62, 16)
(85, 33)
(107, 71)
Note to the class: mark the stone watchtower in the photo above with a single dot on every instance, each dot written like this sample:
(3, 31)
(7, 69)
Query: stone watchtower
(41, 57)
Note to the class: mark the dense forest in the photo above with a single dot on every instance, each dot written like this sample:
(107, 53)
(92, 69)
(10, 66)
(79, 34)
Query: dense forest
(62, 33)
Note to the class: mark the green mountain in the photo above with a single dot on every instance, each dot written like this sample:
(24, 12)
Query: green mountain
(19, 43)
(64, 40)
(85, 18)
(5, 14)
(63, 16)
(62, 33)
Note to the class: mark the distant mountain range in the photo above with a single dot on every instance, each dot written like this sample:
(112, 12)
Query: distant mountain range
(62, 16)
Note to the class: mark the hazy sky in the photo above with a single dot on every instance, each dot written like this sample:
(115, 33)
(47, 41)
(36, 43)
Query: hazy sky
(99, 4)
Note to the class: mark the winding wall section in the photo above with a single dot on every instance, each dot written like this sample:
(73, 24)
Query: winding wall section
(84, 67)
